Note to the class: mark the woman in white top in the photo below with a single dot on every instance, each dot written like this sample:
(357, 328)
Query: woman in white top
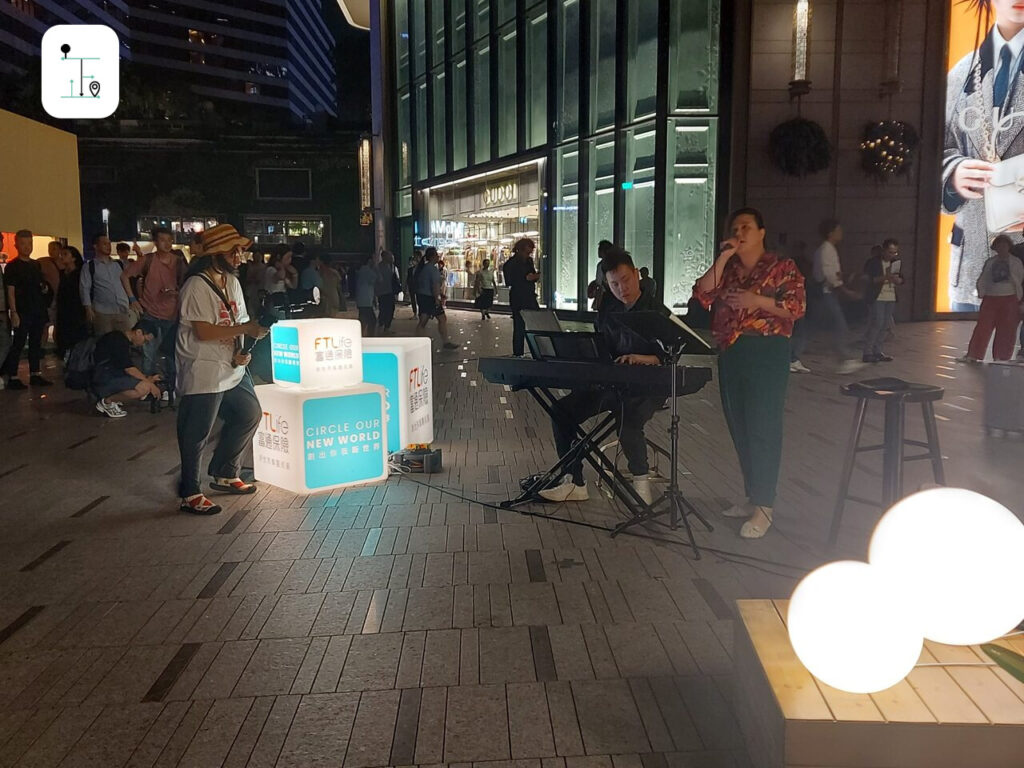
(213, 381)
(483, 288)
(280, 276)
(999, 287)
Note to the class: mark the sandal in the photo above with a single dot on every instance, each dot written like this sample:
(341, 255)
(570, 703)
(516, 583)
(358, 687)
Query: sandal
(738, 510)
(758, 525)
(199, 505)
(233, 485)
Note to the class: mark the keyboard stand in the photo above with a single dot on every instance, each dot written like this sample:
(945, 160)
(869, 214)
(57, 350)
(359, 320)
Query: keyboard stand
(588, 448)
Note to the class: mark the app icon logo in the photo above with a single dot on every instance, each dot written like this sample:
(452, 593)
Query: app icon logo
(81, 71)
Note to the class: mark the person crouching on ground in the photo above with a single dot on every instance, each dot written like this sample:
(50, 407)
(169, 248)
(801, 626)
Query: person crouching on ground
(212, 377)
(999, 287)
(628, 348)
(757, 297)
(115, 378)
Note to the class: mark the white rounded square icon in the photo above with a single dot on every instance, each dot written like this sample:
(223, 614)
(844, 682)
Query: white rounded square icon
(81, 72)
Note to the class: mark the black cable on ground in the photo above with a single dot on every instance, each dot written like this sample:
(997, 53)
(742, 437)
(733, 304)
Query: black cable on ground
(737, 558)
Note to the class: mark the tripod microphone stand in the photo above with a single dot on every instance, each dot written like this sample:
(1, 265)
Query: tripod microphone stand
(676, 338)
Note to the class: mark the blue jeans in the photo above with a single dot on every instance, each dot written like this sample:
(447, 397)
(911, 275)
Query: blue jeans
(161, 344)
(879, 317)
(832, 313)
(798, 342)
(960, 306)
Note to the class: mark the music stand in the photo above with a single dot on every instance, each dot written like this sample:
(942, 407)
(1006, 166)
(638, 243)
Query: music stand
(678, 339)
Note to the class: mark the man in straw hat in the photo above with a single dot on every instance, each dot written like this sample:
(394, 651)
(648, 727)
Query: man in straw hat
(212, 377)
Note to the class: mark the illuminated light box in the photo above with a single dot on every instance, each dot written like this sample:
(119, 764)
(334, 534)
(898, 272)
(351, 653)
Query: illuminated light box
(316, 353)
(402, 367)
(317, 440)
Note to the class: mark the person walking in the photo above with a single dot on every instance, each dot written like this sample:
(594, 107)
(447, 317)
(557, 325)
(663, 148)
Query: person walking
(28, 299)
(521, 278)
(410, 274)
(828, 276)
(388, 288)
(883, 274)
(103, 294)
(367, 280)
(330, 293)
(756, 296)
(213, 381)
(484, 287)
(429, 287)
(1000, 289)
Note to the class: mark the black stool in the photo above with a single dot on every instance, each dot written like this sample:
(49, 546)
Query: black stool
(895, 394)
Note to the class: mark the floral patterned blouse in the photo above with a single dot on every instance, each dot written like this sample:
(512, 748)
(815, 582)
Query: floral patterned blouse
(771, 276)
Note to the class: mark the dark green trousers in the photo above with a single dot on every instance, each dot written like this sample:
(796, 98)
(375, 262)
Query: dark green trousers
(752, 376)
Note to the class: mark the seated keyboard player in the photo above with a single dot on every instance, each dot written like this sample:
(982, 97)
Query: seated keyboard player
(627, 348)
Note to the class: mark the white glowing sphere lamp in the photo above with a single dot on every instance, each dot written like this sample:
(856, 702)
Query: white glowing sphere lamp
(850, 629)
(956, 555)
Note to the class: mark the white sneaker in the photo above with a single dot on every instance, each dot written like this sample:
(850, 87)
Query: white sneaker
(111, 410)
(849, 366)
(797, 367)
(567, 490)
(3, 383)
(642, 486)
(165, 396)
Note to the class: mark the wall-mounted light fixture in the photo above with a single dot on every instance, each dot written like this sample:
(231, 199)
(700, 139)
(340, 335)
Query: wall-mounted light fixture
(800, 85)
(365, 184)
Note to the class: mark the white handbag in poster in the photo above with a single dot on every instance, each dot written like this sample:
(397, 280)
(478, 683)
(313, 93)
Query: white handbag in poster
(1004, 197)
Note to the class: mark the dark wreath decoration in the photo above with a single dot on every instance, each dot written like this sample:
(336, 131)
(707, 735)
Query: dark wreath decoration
(887, 149)
(800, 147)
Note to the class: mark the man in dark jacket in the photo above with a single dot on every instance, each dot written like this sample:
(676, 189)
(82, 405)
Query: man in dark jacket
(883, 273)
(627, 348)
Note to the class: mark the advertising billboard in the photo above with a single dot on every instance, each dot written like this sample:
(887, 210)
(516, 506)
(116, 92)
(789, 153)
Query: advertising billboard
(983, 154)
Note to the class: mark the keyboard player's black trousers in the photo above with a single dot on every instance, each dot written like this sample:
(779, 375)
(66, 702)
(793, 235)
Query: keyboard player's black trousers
(633, 413)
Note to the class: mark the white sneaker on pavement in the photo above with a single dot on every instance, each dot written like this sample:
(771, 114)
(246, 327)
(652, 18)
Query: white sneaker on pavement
(111, 410)
(642, 486)
(797, 367)
(567, 490)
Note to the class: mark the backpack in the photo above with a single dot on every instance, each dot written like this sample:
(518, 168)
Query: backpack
(1000, 270)
(79, 367)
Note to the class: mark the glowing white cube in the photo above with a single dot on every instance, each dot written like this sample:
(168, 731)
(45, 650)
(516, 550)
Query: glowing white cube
(316, 440)
(317, 353)
(402, 367)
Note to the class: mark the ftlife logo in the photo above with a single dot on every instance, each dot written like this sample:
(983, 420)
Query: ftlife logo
(81, 71)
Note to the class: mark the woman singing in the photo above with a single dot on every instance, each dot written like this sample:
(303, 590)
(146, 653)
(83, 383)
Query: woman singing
(757, 297)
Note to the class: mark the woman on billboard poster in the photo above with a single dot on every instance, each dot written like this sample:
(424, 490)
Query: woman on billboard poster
(983, 161)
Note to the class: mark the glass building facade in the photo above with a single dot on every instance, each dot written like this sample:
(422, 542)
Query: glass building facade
(568, 121)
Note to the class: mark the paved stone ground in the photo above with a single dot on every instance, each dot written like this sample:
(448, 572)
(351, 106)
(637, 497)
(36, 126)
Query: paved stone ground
(400, 624)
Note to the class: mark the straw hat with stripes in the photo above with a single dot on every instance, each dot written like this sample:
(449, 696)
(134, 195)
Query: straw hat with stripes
(222, 239)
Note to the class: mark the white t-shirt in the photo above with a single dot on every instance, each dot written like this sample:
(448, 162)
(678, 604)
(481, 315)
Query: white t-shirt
(204, 367)
(826, 266)
(274, 280)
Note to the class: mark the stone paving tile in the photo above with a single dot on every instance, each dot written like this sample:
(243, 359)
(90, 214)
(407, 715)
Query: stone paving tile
(476, 725)
(319, 733)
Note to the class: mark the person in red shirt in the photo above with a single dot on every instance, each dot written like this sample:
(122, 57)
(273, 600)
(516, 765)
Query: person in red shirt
(160, 276)
(756, 298)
